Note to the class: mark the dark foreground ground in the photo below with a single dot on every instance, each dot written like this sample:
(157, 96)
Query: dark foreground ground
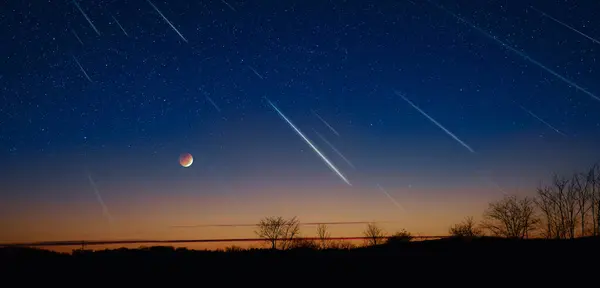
(483, 262)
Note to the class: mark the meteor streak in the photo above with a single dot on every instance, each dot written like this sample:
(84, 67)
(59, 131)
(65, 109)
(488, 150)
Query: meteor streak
(514, 50)
(255, 72)
(390, 197)
(331, 166)
(542, 120)
(77, 36)
(230, 7)
(86, 17)
(334, 149)
(435, 122)
(99, 197)
(167, 20)
(213, 103)
(565, 25)
(83, 70)
(326, 124)
(120, 26)
(498, 187)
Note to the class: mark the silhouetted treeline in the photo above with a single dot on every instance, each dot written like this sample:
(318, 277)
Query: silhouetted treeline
(567, 208)
(487, 259)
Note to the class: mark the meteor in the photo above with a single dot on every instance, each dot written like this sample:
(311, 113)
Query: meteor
(390, 197)
(256, 73)
(167, 20)
(77, 36)
(331, 166)
(326, 124)
(541, 120)
(334, 149)
(86, 17)
(213, 103)
(230, 7)
(435, 122)
(514, 50)
(99, 198)
(83, 70)
(120, 26)
(565, 25)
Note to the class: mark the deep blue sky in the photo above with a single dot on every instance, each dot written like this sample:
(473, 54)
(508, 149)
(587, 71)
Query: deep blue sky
(147, 102)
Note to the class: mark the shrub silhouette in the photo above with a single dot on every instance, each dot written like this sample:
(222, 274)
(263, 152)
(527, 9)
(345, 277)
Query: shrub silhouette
(466, 228)
(401, 236)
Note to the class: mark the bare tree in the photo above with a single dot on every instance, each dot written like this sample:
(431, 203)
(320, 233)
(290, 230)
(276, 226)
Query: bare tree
(559, 204)
(374, 234)
(582, 185)
(545, 203)
(593, 178)
(466, 228)
(324, 235)
(291, 231)
(511, 217)
(277, 230)
(571, 206)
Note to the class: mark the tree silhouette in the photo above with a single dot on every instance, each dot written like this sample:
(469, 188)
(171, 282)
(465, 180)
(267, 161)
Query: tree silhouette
(582, 186)
(559, 205)
(323, 235)
(547, 206)
(277, 230)
(511, 217)
(593, 177)
(466, 228)
(374, 234)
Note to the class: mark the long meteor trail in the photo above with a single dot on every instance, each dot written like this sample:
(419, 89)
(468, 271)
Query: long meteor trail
(523, 55)
(435, 122)
(325, 122)
(167, 20)
(331, 166)
(565, 25)
(542, 120)
(334, 149)
(99, 197)
(86, 17)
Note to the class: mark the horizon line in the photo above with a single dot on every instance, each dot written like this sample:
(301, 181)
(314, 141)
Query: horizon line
(108, 242)
(301, 224)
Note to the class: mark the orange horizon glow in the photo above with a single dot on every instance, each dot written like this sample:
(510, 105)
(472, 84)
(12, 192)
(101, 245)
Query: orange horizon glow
(153, 217)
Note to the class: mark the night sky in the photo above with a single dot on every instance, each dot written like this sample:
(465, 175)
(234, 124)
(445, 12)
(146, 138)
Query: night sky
(424, 114)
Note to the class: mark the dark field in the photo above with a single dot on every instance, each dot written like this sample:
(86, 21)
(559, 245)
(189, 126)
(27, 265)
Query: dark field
(453, 261)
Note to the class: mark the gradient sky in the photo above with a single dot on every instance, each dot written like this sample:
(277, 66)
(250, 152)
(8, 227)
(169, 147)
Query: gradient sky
(149, 92)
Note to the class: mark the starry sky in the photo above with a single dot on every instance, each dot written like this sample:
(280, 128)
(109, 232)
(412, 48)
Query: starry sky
(425, 113)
